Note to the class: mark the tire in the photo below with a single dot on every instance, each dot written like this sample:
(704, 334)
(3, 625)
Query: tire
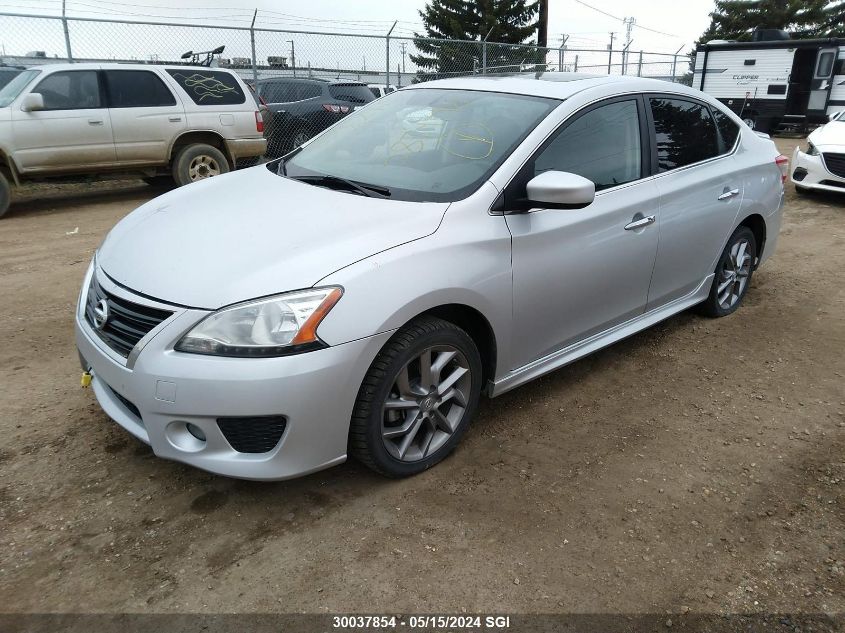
(198, 162)
(803, 191)
(732, 278)
(5, 194)
(426, 423)
(300, 136)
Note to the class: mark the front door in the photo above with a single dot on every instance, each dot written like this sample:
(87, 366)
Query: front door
(577, 272)
(72, 133)
(821, 83)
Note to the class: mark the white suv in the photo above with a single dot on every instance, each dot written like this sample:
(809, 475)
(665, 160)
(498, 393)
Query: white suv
(66, 120)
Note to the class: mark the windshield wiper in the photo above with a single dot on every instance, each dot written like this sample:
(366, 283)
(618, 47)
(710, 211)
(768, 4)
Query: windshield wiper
(334, 182)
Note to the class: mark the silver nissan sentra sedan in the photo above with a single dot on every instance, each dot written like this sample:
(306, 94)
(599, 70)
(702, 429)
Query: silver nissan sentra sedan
(453, 238)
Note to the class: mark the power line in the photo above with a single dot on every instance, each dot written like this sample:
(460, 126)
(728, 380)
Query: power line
(617, 18)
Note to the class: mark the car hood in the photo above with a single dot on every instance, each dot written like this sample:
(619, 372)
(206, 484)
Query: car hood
(832, 133)
(250, 234)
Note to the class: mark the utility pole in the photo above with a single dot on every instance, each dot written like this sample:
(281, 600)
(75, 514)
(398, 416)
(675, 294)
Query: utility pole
(292, 57)
(67, 33)
(543, 24)
(562, 51)
(629, 25)
(403, 46)
(610, 52)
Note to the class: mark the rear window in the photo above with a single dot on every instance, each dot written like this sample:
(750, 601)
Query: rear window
(137, 89)
(354, 93)
(728, 130)
(209, 87)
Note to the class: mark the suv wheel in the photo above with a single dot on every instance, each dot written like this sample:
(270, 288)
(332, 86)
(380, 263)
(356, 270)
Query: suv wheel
(5, 194)
(417, 399)
(198, 162)
(733, 274)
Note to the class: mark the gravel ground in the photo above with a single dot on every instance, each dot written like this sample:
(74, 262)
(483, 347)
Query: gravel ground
(697, 466)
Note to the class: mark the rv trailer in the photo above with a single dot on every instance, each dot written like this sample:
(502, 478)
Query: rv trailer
(774, 83)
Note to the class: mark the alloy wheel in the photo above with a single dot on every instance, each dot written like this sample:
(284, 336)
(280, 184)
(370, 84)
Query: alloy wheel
(733, 277)
(426, 403)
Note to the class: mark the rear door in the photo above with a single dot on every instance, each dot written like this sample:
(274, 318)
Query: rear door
(821, 82)
(146, 116)
(72, 133)
(700, 192)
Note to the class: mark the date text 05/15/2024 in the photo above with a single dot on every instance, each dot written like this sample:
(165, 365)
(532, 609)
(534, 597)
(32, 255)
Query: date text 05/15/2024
(466, 622)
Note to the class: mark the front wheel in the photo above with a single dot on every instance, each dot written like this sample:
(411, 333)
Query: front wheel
(198, 162)
(417, 399)
(733, 274)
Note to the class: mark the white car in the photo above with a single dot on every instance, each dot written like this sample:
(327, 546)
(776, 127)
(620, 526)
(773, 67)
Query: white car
(821, 165)
(83, 120)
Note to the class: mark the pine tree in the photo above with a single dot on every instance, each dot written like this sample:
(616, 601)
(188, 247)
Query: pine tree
(834, 20)
(737, 19)
(506, 21)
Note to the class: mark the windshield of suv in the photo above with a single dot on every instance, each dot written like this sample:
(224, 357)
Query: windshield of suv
(11, 90)
(423, 144)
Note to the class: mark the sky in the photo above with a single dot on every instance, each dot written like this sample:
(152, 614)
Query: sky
(662, 26)
(679, 21)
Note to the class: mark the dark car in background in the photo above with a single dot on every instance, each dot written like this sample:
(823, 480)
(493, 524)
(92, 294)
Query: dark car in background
(302, 108)
(7, 73)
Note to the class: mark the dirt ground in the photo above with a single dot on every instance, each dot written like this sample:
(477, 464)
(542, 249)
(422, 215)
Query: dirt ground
(697, 466)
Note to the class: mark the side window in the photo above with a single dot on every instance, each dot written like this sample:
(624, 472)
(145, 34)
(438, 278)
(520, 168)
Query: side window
(825, 66)
(209, 87)
(278, 92)
(308, 91)
(70, 90)
(728, 130)
(686, 133)
(137, 89)
(602, 145)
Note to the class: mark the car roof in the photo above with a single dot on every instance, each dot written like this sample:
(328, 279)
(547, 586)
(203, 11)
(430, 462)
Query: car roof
(556, 85)
(120, 66)
(314, 80)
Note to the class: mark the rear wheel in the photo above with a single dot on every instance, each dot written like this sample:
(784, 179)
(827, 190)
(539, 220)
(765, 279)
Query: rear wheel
(417, 399)
(5, 194)
(198, 162)
(733, 274)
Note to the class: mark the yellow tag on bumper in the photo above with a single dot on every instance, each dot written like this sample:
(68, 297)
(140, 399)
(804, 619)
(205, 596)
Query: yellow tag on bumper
(86, 379)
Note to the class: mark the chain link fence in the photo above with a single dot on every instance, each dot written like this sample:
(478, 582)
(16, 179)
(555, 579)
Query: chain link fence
(270, 59)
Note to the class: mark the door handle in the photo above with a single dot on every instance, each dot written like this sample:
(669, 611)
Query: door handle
(95, 121)
(638, 224)
(174, 119)
(729, 194)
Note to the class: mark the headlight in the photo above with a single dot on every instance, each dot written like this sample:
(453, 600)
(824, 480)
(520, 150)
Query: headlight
(811, 149)
(276, 326)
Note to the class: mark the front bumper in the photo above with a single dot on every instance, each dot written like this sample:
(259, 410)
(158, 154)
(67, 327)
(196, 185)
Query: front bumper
(164, 390)
(810, 172)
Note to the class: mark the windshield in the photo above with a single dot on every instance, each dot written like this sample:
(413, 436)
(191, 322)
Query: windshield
(356, 93)
(423, 144)
(11, 90)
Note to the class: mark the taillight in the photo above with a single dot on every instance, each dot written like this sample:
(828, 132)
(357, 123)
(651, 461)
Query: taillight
(259, 122)
(783, 164)
(335, 109)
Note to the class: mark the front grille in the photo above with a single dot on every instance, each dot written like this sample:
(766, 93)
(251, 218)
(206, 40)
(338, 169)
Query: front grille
(253, 435)
(835, 163)
(127, 322)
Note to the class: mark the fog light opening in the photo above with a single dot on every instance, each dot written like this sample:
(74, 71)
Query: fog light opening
(196, 431)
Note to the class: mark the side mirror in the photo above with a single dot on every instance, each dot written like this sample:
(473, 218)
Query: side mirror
(561, 190)
(32, 102)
